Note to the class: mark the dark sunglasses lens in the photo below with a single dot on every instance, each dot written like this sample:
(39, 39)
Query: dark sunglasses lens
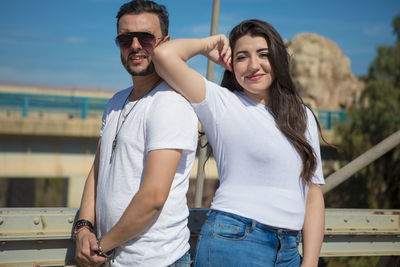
(146, 39)
(124, 40)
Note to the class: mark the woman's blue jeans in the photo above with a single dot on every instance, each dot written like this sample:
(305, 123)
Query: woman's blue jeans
(227, 239)
(184, 261)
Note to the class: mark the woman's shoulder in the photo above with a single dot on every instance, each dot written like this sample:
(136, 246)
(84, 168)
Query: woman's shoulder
(214, 88)
(310, 112)
(311, 119)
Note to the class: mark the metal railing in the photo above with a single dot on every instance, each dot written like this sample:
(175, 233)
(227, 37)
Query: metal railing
(83, 106)
(361, 161)
(327, 118)
(42, 236)
(26, 103)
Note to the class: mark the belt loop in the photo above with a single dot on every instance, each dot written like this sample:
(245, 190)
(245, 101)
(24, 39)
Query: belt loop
(300, 237)
(253, 225)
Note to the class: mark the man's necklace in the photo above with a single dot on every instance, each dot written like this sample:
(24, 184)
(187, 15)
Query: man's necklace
(118, 129)
(114, 143)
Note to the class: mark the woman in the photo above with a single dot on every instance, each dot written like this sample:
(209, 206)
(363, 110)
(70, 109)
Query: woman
(265, 142)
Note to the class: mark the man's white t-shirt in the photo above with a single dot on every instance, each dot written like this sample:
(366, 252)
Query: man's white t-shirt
(259, 169)
(162, 119)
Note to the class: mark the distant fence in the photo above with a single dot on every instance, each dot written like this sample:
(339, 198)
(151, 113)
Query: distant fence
(72, 105)
(327, 117)
(79, 105)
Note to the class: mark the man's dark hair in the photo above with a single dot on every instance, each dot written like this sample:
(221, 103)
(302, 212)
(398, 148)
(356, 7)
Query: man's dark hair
(140, 6)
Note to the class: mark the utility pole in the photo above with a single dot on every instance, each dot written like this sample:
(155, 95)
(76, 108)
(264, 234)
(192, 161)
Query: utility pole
(198, 195)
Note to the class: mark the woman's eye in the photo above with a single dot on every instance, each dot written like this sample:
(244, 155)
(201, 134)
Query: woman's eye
(264, 55)
(240, 58)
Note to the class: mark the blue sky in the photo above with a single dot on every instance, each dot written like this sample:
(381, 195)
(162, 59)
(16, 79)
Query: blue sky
(69, 43)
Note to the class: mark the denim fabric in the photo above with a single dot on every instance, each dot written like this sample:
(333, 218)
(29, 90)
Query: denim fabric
(184, 261)
(230, 240)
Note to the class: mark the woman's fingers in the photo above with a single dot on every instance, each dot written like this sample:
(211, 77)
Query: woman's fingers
(226, 52)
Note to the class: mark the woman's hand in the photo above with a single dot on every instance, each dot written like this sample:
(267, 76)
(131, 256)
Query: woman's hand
(217, 49)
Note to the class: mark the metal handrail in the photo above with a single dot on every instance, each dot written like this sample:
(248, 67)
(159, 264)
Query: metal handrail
(361, 161)
(51, 103)
(42, 236)
(27, 103)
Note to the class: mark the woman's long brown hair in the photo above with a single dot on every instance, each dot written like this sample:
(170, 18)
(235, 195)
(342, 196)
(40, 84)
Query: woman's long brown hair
(284, 100)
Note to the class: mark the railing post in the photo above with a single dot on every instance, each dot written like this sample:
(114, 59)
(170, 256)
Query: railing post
(329, 120)
(25, 106)
(85, 108)
(198, 194)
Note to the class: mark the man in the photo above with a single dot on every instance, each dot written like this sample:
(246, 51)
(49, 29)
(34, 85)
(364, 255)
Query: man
(136, 189)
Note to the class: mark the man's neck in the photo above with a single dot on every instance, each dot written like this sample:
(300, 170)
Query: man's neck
(143, 85)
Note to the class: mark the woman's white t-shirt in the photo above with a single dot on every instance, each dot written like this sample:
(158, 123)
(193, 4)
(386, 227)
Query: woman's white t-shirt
(259, 169)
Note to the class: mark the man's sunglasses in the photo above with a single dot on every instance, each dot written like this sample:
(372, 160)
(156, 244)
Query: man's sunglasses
(146, 40)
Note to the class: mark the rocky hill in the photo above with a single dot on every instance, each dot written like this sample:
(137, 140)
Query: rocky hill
(322, 72)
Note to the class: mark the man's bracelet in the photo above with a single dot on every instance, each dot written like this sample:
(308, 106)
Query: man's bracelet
(78, 230)
(83, 222)
(109, 255)
(80, 225)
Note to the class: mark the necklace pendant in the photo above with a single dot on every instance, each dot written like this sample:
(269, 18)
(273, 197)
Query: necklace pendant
(114, 144)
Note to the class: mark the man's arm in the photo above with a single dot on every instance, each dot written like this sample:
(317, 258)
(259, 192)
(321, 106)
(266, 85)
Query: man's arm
(314, 224)
(159, 173)
(86, 241)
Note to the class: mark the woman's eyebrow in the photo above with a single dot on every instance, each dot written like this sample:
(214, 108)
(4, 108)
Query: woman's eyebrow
(263, 49)
(241, 52)
(266, 49)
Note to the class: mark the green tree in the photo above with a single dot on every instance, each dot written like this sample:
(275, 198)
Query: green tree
(375, 116)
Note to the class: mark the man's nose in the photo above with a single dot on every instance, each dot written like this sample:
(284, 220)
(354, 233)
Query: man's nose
(136, 44)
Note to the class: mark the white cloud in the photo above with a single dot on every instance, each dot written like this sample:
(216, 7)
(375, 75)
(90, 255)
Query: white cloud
(74, 40)
(378, 30)
(6, 72)
(359, 51)
(197, 30)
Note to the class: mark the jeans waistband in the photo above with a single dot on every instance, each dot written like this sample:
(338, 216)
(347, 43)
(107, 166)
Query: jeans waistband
(253, 223)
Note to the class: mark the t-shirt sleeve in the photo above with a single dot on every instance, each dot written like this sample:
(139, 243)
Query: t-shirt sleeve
(214, 106)
(171, 123)
(103, 122)
(313, 138)
(106, 112)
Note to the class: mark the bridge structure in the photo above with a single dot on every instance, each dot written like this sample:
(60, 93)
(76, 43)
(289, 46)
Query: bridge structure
(53, 135)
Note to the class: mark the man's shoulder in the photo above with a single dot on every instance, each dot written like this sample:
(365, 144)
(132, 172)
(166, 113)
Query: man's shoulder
(165, 93)
(122, 94)
(169, 104)
(119, 97)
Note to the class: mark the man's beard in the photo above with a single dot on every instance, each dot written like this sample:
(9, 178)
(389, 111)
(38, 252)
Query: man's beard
(149, 70)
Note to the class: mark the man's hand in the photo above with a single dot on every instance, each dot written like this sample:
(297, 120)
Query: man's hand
(86, 245)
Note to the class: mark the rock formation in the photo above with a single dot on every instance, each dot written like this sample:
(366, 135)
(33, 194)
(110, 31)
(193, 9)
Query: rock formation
(322, 72)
